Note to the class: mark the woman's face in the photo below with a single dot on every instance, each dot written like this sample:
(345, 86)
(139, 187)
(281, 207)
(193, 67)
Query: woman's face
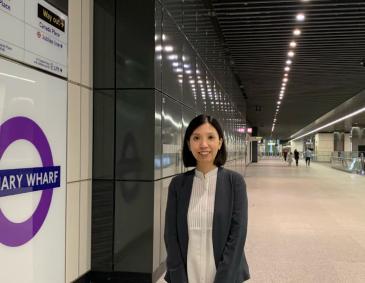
(204, 144)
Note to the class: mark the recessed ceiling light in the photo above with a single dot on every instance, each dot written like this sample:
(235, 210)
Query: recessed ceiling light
(300, 17)
(287, 69)
(293, 44)
(297, 32)
(291, 54)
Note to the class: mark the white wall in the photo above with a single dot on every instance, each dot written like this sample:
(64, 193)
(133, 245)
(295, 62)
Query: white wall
(324, 146)
(298, 145)
(79, 139)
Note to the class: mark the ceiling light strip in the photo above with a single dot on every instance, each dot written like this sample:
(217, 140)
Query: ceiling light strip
(331, 123)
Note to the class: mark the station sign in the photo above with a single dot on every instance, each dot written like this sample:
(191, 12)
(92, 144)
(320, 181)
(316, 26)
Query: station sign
(34, 32)
(33, 109)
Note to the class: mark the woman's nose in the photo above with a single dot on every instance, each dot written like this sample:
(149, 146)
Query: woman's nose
(203, 143)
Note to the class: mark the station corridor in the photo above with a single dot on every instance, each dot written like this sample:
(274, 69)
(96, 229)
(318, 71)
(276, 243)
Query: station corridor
(306, 224)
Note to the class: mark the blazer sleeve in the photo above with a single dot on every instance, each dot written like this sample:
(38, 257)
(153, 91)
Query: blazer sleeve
(233, 250)
(176, 272)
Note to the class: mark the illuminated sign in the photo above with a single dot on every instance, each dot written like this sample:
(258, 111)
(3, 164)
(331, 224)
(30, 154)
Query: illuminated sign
(51, 18)
(33, 135)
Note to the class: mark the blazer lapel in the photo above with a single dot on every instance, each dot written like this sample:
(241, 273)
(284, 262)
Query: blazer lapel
(220, 215)
(187, 187)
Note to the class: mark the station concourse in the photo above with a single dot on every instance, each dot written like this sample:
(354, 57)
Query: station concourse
(95, 99)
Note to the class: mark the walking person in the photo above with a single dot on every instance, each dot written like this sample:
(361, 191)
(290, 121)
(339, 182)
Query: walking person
(308, 155)
(296, 156)
(285, 153)
(290, 158)
(206, 213)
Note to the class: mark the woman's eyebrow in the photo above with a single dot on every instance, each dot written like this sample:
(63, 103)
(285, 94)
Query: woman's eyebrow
(209, 133)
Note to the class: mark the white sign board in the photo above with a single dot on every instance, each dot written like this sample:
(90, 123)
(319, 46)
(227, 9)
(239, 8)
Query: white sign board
(34, 32)
(33, 107)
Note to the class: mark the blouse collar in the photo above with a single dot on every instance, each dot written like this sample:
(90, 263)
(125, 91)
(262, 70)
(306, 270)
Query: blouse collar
(201, 175)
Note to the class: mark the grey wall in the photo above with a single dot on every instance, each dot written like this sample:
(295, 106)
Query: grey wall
(339, 141)
(357, 137)
(149, 82)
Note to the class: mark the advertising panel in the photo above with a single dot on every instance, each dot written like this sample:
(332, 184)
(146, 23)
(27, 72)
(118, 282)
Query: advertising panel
(34, 32)
(33, 107)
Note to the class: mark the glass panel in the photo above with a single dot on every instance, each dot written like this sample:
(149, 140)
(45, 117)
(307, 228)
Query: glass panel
(171, 137)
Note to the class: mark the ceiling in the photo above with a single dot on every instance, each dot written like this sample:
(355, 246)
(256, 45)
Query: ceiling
(325, 69)
(343, 118)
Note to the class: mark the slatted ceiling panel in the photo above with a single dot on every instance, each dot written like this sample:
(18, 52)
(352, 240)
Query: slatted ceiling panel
(326, 67)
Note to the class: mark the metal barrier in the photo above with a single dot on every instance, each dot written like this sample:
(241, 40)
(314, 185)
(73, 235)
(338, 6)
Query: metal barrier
(348, 161)
(322, 156)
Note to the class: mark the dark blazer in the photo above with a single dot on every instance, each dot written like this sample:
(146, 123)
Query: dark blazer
(229, 227)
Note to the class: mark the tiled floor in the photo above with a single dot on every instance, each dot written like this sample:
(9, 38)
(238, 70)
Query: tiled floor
(306, 224)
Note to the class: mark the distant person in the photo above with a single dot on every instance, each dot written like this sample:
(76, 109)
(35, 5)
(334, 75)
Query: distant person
(206, 213)
(285, 153)
(296, 156)
(308, 155)
(290, 158)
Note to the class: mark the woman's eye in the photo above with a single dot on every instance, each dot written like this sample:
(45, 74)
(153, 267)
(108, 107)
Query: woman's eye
(195, 138)
(211, 137)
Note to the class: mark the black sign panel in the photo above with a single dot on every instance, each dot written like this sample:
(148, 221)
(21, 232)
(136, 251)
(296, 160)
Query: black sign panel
(51, 18)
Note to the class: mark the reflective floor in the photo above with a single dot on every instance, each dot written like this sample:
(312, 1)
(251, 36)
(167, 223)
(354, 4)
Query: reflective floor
(306, 224)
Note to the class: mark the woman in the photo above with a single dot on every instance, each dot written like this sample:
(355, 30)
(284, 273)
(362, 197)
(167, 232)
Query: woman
(206, 213)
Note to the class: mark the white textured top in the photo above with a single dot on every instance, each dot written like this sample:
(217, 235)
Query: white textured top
(200, 262)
